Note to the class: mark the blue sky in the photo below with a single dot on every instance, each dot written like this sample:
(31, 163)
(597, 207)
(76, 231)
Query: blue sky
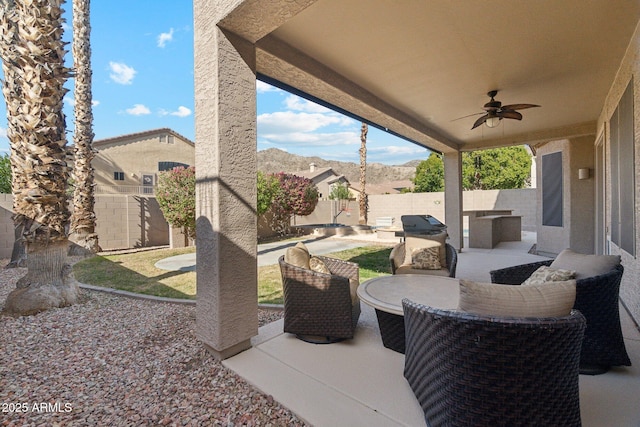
(142, 60)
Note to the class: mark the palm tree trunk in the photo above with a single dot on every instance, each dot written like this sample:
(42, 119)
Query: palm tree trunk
(32, 53)
(83, 218)
(364, 199)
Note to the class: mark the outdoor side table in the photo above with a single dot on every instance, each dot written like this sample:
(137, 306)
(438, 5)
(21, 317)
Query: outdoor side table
(385, 295)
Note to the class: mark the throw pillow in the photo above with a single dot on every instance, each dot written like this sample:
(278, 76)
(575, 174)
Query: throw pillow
(297, 256)
(585, 265)
(316, 264)
(302, 246)
(426, 241)
(426, 258)
(546, 274)
(492, 299)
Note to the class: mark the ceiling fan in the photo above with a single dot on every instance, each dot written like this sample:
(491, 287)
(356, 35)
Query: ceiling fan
(496, 111)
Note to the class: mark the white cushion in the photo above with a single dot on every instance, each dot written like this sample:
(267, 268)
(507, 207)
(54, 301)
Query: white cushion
(297, 256)
(585, 265)
(490, 299)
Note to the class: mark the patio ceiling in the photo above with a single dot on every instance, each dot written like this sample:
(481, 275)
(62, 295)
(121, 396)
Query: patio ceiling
(415, 66)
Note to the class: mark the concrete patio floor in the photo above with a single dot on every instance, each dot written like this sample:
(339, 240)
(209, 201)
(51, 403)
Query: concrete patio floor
(360, 382)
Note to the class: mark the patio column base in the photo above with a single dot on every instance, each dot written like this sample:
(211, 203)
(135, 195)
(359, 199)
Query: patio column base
(220, 355)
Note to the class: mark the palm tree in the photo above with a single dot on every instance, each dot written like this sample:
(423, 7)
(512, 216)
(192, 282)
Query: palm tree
(364, 200)
(83, 218)
(32, 54)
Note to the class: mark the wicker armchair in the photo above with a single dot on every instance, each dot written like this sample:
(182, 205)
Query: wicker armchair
(470, 370)
(397, 256)
(597, 299)
(319, 307)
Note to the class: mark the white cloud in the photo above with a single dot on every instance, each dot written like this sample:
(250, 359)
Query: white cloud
(72, 102)
(121, 73)
(397, 149)
(3, 133)
(262, 87)
(181, 112)
(296, 103)
(289, 121)
(313, 139)
(138, 110)
(163, 38)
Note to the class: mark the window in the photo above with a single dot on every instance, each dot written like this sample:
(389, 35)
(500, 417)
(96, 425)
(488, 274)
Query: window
(118, 176)
(623, 174)
(167, 166)
(552, 189)
(147, 184)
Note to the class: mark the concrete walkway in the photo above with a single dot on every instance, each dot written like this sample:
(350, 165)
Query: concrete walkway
(268, 253)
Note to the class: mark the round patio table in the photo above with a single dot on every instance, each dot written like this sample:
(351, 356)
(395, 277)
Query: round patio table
(385, 295)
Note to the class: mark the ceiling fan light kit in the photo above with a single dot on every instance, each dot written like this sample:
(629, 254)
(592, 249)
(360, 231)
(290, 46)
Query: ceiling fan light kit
(496, 111)
(492, 122)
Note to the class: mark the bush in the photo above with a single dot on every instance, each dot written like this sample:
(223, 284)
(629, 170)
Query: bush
(176, 196)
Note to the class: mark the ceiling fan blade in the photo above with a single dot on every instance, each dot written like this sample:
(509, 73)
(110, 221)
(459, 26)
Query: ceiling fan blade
(480, 121)
(469, 115)
(509, 114)
(518, 106)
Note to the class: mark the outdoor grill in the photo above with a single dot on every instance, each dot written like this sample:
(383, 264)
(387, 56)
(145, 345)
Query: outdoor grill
(422, 224)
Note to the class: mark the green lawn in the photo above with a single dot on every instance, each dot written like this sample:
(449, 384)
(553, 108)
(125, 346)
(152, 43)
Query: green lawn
(135, 272)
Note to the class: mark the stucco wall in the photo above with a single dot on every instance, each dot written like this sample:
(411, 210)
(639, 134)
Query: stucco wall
(577, 202)
(127, 221)
(6, 226)
(630, 67)
(522, 202)
(123, 221)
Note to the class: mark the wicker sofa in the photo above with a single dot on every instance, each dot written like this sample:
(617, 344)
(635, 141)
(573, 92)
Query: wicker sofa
(321, 307)
(473, 370)
(597, 299)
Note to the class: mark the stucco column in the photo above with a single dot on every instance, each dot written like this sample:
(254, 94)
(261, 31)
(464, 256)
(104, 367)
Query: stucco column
(453, 198)
(225, 123)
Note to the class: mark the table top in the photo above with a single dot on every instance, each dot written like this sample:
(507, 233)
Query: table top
(386, 292)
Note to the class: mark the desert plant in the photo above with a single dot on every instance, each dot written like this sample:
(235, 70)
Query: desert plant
(32, 53)
(83, 218)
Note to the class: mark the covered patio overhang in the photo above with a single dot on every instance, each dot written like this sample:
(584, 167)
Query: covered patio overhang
(416, 68)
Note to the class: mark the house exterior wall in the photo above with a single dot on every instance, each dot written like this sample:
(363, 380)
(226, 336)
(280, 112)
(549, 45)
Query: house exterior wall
(137, 155)
(322, 182)
(630, 67)
(578, 205)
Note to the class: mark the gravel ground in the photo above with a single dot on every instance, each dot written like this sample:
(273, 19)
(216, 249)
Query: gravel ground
(115, 361)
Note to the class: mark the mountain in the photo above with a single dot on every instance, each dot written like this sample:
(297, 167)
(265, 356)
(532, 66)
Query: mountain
(274, 160)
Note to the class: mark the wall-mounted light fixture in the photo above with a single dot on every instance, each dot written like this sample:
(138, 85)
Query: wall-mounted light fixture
(584, 173)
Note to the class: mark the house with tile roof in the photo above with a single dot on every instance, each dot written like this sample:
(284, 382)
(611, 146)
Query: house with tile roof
(130, 164)
(324, 178)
